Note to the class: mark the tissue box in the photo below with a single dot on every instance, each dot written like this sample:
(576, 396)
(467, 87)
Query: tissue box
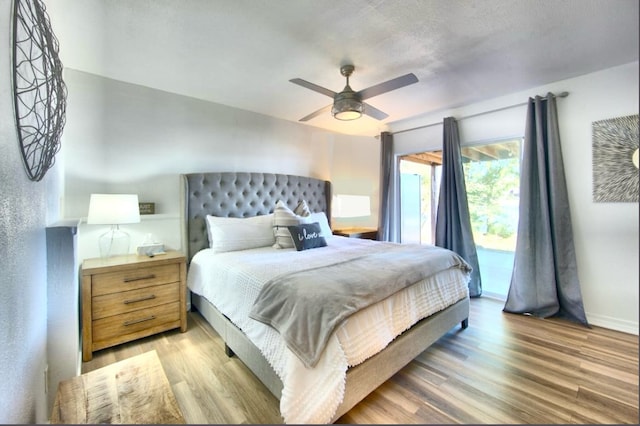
(150, 249)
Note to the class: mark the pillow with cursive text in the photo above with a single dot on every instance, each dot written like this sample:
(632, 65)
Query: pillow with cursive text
(307, 236)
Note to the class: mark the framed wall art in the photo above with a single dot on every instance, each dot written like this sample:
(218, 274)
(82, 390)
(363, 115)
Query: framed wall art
(615, 160)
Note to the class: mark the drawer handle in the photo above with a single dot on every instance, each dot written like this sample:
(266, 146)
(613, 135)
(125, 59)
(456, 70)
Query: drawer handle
(140, 299)
(132, 322)
(146, 277)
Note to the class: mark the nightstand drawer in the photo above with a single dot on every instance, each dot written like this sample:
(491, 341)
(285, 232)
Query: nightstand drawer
(114, 282)
(129, 301)
(120, 325)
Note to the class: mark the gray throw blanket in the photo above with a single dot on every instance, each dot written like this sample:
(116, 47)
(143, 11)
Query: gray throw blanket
(306, 306)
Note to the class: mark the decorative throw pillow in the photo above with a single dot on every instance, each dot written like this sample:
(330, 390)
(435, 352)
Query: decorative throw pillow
(302, 209)
(283, 217)
(232, 233)
(307, 236)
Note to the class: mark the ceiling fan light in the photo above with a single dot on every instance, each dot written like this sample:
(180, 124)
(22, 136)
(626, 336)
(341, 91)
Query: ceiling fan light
(347, 109)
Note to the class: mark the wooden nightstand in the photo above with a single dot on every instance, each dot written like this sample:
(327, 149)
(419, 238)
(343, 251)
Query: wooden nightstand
(128, 297)
(364, 233)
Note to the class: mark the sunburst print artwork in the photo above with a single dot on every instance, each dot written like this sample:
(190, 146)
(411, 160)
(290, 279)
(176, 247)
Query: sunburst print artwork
(615, 160)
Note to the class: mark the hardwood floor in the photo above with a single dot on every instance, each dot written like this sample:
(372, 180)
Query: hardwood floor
(504, 368)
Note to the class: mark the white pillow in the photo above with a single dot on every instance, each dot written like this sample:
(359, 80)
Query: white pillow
(321, 218)
(283, 217)
(232, 233)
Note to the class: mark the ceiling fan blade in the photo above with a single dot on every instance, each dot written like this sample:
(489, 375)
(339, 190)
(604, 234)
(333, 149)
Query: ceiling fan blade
(374, 112)
(388, 86)
(316, 113)
(314, 87)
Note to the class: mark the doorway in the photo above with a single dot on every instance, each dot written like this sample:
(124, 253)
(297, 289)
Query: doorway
(492, 179)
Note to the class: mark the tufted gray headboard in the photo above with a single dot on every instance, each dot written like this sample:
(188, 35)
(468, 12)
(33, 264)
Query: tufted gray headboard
(240, 194)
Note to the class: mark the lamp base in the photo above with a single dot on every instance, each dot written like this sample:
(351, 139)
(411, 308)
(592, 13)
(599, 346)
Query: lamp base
(114, 242)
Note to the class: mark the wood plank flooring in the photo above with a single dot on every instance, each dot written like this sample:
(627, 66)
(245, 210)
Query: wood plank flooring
(504, 369)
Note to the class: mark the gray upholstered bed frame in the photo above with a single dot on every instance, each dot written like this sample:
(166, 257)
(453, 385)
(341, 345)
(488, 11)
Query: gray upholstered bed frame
(235, 194)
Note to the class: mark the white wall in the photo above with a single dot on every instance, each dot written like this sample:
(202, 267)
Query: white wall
(127, 138)
(25, 209)
(605, 234)
(355, 170)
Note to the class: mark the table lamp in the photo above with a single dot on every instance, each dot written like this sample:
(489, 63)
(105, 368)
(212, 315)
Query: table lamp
(114, 210)
(344, 205)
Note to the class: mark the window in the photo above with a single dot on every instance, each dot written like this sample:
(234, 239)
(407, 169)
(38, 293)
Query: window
(492, 179)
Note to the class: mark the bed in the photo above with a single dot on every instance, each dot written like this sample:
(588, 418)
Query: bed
(252, 195)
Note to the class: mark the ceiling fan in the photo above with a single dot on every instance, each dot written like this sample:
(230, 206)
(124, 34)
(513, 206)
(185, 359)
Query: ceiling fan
(349, 105)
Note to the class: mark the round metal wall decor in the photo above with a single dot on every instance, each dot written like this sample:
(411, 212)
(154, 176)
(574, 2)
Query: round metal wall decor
(39, 91)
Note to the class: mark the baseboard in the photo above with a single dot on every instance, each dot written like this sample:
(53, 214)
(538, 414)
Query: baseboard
(624, 326)
(617, 324)
(494, 296)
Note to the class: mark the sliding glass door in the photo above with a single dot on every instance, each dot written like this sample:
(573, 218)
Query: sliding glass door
(492, 176)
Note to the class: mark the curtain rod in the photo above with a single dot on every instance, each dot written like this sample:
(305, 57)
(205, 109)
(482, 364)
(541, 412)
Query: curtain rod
(560, 95)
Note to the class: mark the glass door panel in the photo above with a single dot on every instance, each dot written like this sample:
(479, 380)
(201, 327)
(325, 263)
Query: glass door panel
(492, 179)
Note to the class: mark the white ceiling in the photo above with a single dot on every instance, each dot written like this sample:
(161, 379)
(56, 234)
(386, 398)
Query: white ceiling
(242, 53)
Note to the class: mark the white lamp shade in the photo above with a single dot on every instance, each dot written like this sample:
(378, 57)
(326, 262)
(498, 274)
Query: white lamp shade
(351, 205)
(113, 209)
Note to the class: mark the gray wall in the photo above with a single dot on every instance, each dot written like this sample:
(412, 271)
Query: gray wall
(130, 138)
(25, 209)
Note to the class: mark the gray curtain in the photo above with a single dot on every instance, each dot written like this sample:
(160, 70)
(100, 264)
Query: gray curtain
(544, 282)
(453, 223)
(388, 224)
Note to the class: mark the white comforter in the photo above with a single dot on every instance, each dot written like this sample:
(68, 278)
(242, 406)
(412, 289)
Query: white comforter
(231, 281)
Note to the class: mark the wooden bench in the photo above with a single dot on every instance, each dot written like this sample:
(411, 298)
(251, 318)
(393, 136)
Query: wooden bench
(133, 391)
